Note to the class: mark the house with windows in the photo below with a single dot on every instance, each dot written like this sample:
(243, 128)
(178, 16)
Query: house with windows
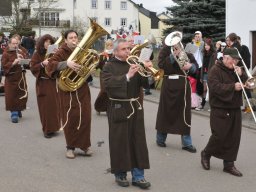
(240, 20)
(55, 16)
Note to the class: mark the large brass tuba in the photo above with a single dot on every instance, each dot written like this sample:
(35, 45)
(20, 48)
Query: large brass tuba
(70, 80)
(174, 39)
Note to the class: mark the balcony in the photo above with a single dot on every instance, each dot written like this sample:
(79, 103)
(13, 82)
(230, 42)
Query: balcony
(50, 23)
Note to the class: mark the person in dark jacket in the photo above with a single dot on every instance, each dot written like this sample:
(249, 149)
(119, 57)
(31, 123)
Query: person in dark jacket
(127, 139)
(174, 111)
(225, 118)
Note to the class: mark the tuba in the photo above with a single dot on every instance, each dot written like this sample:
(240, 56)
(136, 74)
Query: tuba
(70, 80)
(174, 39)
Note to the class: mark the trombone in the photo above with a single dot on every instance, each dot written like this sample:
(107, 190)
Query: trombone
(250, 82)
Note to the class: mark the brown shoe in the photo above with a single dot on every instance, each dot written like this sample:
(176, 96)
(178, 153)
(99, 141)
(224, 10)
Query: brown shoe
(233, 171)
(205, 160)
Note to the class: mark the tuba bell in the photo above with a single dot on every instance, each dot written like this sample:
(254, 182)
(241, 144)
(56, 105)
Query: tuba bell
(70, 80)
(174, 40)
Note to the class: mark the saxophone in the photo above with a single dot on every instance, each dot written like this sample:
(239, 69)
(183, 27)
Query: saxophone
(70, 80)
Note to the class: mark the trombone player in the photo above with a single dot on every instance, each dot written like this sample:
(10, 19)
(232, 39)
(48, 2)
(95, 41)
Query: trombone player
(174, 111)
(226, 81)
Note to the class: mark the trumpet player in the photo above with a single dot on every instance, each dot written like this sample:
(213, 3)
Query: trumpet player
(127, 139)
(15, 80)
(225, 120)
(174, 111)
(75, 105)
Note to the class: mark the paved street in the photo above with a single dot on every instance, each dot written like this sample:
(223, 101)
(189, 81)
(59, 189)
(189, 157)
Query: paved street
(31, 163)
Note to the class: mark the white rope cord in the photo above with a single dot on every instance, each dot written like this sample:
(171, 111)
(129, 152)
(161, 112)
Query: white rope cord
(25, 90)
(70, 101)
(185, 103)
(129, 100)
(80, 111)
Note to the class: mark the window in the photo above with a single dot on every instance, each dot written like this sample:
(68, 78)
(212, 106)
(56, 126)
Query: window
(94, 4)
(50, 19)
(107, 4)
(123, 21)
(123, 5)
(107, 21)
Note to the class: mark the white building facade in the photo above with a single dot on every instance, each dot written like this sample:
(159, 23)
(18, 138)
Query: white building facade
(240, 16)
(56, 15)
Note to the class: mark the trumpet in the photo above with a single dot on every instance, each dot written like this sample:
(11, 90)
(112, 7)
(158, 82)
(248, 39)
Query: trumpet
(150, 71)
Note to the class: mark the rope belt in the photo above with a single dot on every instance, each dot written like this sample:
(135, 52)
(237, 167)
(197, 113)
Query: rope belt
(129, 100)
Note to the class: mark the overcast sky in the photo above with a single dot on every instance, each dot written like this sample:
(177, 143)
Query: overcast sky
(155, 5)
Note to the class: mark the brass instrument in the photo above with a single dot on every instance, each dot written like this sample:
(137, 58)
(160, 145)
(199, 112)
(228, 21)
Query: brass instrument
(137, 48)
(70, 80)
(157, 74)
(174, 39)
(250, 82)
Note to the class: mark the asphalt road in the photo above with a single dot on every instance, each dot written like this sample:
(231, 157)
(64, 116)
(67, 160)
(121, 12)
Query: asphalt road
(31, 163)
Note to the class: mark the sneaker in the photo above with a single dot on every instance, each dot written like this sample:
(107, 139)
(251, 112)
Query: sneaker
(143, 184)
(190, 149)
(122, 181)
(15, 119)
(199, 108)
(70, 154)
(88, 152)
(161, 144)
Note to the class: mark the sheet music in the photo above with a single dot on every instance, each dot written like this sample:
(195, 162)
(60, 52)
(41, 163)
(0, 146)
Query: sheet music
(51, 49)
(145, 54)
(24, 61)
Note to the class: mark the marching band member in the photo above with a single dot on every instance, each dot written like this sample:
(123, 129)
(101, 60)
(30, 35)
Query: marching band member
(101, 101)
(46, 90)
(225, 119)
(174, 112)
(75, 105)
(16, 94)
(127, 140)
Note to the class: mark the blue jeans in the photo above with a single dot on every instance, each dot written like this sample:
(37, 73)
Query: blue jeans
(186, 140)
(137, 174)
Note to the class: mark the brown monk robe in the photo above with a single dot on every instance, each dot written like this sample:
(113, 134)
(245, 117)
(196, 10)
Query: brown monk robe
(225, 96)
(46, 89)
(16, 94)
(75, 105)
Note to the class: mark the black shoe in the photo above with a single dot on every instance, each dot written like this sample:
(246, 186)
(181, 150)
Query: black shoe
(48, 135)
(148, 93)
(122, 181)
(190, 149)
(20, 114)
(143, 184)
(161, 144)
(233, 171)
(205, 160)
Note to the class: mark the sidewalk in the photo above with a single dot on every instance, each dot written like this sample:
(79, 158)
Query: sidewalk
(247, 118)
